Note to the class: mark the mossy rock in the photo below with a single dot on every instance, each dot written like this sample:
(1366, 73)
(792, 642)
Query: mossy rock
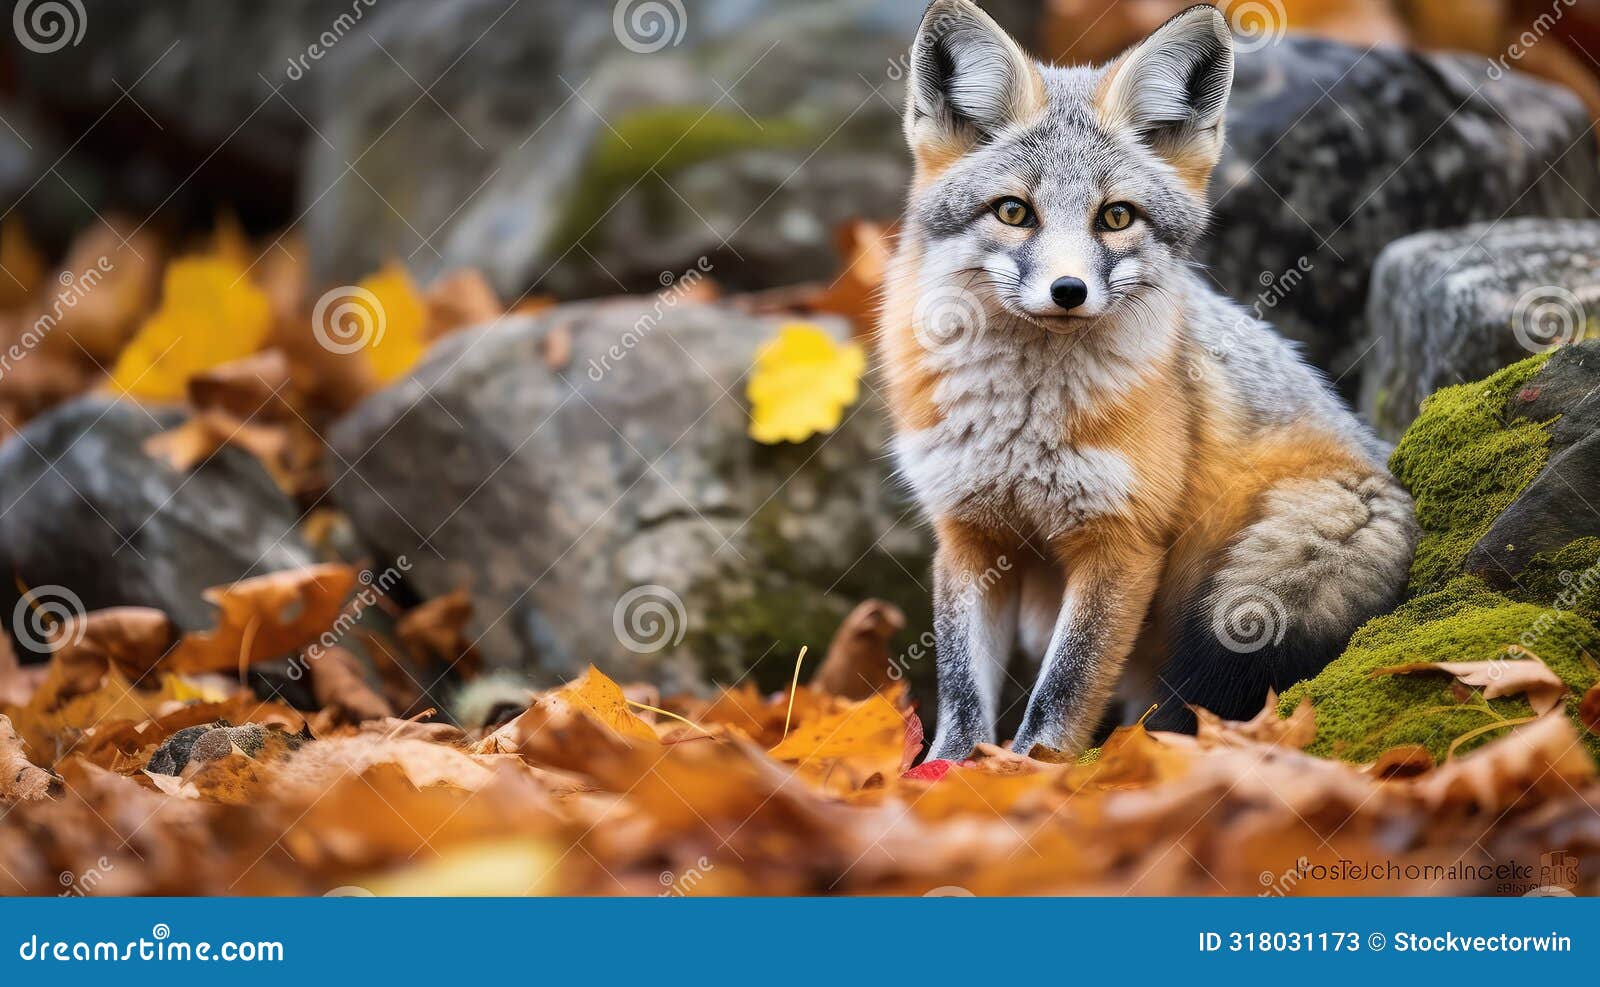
(1464, 462)
(1360, 716)
(1474, 459)
(628, 154)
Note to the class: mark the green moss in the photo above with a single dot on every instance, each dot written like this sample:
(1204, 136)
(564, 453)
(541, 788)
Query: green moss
(644, 148)
(1359, 717)
(785, 594)
(1567, 580)
(1464, 463)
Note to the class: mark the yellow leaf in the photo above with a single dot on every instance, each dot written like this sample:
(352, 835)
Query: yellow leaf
(210, 314)
(871, 728)
(802, 382)
(183, 689)
(602, 699)
(398, 316)
(494, 868)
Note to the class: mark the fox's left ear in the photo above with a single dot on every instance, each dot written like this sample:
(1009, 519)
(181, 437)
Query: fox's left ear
(1171, 90)
(969, 80)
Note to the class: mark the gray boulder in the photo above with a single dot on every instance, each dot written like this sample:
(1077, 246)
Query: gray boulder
(614, 510)
(1456, 305)
(1334, 152)
(88, 520)
(1555, 510)
(579, 153)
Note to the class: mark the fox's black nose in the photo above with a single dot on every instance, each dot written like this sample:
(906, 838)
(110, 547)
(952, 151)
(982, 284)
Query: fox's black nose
(1069, 293)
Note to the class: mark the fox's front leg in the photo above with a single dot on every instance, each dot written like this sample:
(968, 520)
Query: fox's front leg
(974, 623)
(1107, 594)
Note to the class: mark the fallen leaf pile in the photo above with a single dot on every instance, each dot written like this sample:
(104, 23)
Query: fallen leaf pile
(139, 754)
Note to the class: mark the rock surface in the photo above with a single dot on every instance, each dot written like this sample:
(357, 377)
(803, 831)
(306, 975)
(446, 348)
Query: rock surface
(1558, 507)
(1402, 142)
(580, 155)
(615, 511)
(85, 510)
(1456, 305)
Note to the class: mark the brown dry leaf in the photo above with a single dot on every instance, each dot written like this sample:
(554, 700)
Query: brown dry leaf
(1544, 756)
(198, 439)
(338, 681)
(865, 247)
(17, 684)
(1296, 730)
(21, 265)
(20, 779)
(1500, 677)
(436, 633)
(438, 733)
(1404, 761)
(1589, 709)
(316, 766)
(395, 674)
(259, 386)
(132, 640)
(112, 287)
(859, 661)
(266, 617)
(458, 300)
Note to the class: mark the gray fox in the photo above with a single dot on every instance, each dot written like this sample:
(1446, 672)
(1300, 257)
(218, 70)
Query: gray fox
(1186, 512)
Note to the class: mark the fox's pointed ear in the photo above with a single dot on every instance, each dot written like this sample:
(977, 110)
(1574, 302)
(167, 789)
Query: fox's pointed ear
(1171, 90)
(969, 80)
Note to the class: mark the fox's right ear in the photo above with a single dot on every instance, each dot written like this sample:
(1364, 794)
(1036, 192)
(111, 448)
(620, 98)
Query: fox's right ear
(1171, 91)
(969, 80)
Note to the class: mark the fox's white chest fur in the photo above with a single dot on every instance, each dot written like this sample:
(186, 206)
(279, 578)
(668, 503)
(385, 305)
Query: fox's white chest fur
(1003, 451)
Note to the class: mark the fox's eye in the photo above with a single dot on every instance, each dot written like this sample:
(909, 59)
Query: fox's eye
(1117, 216)
(1013, 212)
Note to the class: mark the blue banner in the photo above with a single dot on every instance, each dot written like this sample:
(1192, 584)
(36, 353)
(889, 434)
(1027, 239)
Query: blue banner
(785, 941)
